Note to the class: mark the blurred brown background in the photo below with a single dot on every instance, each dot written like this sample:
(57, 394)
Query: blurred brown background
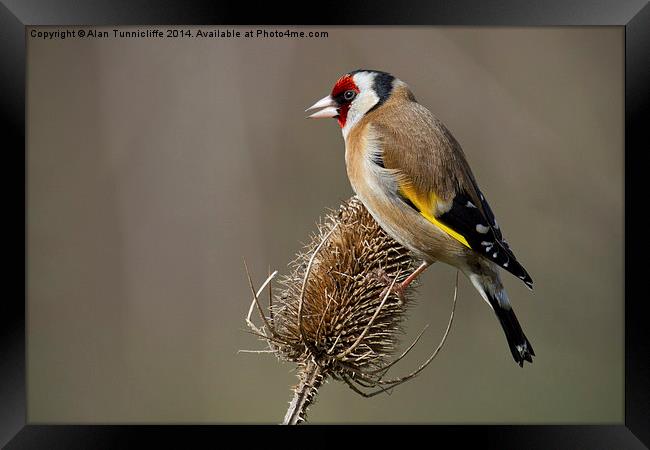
(154, 166)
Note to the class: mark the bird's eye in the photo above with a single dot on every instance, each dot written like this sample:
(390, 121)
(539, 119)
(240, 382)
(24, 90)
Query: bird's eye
(349, 95)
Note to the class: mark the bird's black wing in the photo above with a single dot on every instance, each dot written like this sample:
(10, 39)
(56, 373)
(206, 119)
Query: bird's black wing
(479, 227)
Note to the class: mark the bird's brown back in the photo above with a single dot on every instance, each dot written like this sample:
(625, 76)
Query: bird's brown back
(419, 146)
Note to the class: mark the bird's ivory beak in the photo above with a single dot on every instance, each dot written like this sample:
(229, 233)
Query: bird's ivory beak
(330, 108)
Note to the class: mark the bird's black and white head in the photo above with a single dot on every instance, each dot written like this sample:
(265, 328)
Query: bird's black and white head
(354, 95)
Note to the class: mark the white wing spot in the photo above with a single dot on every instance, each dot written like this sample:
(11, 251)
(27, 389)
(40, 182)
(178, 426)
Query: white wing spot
(444, 207)
(505, 264)
(494, 255)
(482, 228)
(485, 243)
(488, 249)
(470, 204)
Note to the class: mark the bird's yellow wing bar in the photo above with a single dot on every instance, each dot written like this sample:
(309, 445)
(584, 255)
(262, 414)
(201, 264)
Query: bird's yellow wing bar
(426, 205)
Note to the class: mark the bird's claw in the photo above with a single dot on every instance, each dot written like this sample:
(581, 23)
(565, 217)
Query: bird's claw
(396, 288)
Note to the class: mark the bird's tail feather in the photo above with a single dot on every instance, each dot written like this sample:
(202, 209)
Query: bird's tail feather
(519, 345)
(494, 294)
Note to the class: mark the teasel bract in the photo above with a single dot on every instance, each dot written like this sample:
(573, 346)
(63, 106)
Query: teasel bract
(336, 313)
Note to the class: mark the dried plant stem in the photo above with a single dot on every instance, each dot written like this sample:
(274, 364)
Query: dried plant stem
(338, 314)
(311, 377)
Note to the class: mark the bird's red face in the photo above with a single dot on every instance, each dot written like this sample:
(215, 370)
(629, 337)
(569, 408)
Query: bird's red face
(337, 104)
(344, 92)
(354, 95)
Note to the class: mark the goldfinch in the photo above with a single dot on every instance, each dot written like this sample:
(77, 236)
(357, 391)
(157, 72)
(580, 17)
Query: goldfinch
(412, 176)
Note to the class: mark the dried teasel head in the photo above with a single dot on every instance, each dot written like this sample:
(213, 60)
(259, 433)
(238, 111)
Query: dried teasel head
(336, 314)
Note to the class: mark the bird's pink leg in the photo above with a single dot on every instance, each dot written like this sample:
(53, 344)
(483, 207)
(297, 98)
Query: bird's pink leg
(399, 289)
(416, 273)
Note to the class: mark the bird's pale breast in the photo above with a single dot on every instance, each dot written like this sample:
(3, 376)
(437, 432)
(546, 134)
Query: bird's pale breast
(377, 188)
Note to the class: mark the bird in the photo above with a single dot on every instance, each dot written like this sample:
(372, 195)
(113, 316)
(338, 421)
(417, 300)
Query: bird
(413, 177)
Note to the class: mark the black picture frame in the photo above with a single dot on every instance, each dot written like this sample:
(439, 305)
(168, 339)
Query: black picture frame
(633, 15)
